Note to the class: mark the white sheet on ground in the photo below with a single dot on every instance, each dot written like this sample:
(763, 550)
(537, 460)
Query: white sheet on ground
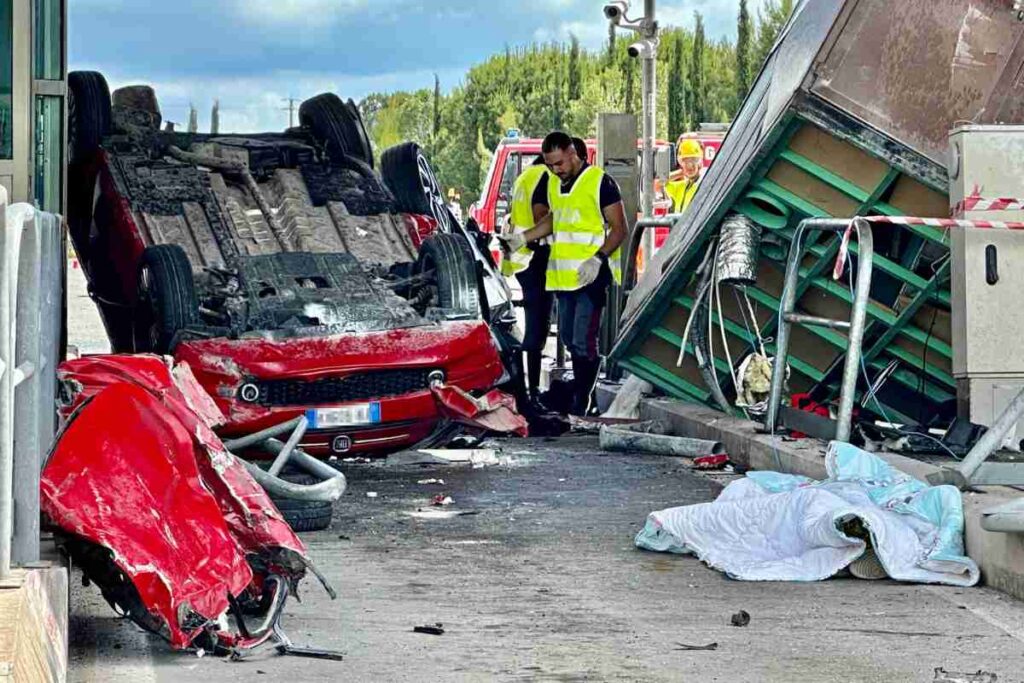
(779, 527)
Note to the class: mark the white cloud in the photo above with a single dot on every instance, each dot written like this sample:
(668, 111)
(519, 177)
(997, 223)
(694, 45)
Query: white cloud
(259, 104)
(310, 13)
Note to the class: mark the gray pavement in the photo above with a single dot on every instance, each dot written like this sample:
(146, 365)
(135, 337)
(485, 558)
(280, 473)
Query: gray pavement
(543, 583)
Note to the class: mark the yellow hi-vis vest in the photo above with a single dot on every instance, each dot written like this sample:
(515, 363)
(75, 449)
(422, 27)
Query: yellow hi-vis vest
(681, 192)
(578, 230)
(522, 217)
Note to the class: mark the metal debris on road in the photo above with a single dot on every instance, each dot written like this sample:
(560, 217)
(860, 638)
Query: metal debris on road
(466, 456)
(943, 676)
(649, 438)
(433, 630)
(741, 618)
(440, 514)
(683, 647)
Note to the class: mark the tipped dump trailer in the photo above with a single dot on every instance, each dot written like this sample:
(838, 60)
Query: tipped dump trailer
(849, 116)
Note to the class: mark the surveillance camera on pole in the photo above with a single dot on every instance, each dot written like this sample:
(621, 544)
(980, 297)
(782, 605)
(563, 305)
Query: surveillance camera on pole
(643, 49)
(646, 50)
(615, 11)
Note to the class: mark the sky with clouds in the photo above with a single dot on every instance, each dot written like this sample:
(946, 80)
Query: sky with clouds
(254, 54)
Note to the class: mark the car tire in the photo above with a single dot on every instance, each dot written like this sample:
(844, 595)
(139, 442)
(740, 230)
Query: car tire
(303, 515)
(411, 178)
(167, 298)
(88, 114)
(455, 273)
(339, 126)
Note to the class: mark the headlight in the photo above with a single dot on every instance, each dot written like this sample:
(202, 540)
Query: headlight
(249, 392)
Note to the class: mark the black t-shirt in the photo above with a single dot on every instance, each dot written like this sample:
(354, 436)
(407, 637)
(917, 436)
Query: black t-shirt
(610, 193)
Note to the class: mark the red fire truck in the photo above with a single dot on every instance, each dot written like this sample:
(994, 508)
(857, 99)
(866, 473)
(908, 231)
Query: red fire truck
(514, 154)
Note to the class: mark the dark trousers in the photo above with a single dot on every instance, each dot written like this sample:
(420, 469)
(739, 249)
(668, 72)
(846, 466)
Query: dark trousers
(579, 327)
(537, 301)
(579, 316)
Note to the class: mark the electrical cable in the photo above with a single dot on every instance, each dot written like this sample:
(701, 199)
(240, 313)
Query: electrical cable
(874, 397)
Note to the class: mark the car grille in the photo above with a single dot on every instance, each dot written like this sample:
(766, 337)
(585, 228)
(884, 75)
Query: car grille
(359, 387)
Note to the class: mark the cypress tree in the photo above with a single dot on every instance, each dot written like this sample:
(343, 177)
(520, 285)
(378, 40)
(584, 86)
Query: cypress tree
(743, 34)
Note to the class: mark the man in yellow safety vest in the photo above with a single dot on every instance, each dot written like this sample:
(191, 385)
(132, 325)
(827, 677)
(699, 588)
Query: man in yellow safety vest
(529, 264)
(682, 184)
(587, 224)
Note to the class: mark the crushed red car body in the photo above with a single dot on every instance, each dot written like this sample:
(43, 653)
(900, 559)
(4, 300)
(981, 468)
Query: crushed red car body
(156, 512)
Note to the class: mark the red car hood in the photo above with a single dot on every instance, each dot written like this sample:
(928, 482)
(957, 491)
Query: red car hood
(462, 348)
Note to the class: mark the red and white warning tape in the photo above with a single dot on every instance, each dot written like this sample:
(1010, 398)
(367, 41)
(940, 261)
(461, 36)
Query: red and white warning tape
(977, 203)
(947, 222)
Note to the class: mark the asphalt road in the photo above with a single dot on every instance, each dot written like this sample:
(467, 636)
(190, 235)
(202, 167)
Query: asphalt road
(543, 582)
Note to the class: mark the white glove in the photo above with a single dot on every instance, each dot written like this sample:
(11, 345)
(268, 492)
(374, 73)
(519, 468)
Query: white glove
(589, 271)
(512, 243)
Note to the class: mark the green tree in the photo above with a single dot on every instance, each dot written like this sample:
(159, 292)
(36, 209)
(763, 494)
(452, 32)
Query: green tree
(436, 132)
(575, 73)
(676, 89)
(697, 102)
(743, 36)
(772, 18)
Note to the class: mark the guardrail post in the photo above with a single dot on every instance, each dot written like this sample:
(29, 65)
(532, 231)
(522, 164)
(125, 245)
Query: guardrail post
(10, 240)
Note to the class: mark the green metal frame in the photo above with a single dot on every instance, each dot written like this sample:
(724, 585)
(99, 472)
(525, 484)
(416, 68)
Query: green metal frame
(924, 374)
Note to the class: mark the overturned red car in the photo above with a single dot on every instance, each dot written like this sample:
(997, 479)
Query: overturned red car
(290, 275)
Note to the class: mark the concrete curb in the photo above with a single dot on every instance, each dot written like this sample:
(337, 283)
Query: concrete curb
(1000, 556)
(34, 626)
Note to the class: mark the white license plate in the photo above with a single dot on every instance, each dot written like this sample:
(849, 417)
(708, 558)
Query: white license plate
(344, 416)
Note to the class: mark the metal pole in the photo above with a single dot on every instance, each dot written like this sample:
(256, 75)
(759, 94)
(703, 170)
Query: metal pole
(865, 258)
(10, 240)
(650, 101)
(992, 439)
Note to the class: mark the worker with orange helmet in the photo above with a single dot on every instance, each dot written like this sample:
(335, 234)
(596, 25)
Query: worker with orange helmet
(683, 182)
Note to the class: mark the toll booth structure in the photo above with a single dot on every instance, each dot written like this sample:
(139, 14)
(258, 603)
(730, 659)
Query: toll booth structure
(850, 116)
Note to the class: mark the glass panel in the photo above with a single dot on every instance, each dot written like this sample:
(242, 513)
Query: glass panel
(49, 150)
(49, 46)
(6, 78)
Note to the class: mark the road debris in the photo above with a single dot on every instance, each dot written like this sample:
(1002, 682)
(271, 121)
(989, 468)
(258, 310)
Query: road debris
(433, 630)
(442, 500)
(943, 676)
(468, 456)
(711, 462)
(424, 482)
(371, 494)
(683, 647)
(420, 513)
(650, 439)
(741, 618)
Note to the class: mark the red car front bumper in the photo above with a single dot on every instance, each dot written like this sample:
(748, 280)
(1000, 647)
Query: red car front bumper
(295, 376)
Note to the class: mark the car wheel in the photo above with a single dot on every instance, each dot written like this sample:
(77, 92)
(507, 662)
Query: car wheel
(88, 113)
(303, 515)
(167, 301)
(411, 178)
(456, 278)
(339, 126)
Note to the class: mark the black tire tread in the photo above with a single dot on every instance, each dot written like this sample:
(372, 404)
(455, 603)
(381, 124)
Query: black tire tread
(399, 167)
(308, 519)
(339, 125)
(456, 276)
(89, 104)
(175, 305)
